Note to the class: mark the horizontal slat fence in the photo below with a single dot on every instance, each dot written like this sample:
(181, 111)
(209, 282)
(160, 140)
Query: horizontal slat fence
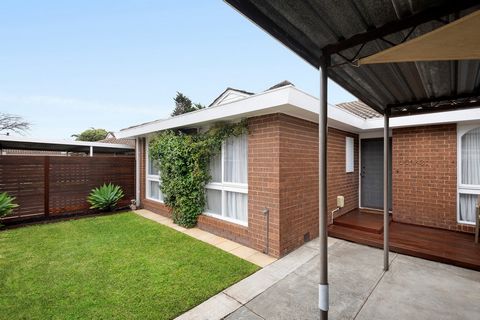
(54, 186)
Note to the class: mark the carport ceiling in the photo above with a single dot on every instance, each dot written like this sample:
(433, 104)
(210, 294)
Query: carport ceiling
(346, 30)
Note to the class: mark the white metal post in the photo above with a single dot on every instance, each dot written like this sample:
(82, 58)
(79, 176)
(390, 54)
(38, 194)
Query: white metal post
(386, 179)
(323, 301)
(91, 151)
(137, 171)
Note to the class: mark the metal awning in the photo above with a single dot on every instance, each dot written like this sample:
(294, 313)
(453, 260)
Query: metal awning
(347, 30)
(334, 35)
(23, 143)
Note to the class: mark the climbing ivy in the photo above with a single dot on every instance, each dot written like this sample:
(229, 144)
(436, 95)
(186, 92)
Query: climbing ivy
(183, 160)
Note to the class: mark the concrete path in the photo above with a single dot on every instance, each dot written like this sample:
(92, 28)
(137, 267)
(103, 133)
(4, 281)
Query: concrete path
(359, 289)
(241, 251)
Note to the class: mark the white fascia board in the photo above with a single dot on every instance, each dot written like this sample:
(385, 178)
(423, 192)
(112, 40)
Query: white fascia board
(426, 119)
(288, 100)
(259, 104)
(66, 142)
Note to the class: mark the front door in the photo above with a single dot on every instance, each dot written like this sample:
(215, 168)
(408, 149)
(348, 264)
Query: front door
(372, 173)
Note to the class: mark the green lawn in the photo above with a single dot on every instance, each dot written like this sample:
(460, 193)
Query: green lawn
(112, 267)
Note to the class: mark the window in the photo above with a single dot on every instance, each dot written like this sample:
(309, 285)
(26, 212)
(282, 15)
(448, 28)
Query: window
(349, 154)
(468, 172)
(152, 176)
(227, 193)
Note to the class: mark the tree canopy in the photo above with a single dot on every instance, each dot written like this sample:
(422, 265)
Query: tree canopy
(11, 122)
(91, 134)
(183, 104)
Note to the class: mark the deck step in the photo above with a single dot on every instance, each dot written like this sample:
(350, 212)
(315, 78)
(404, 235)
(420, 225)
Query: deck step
(368, 222)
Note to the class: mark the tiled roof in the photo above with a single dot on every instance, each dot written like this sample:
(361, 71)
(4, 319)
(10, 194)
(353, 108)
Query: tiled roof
(359, 109)
(128, 142)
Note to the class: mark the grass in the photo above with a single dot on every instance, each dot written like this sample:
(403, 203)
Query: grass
(112, 267)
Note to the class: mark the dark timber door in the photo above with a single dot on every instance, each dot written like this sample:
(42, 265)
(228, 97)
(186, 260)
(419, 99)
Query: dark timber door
(372, 173)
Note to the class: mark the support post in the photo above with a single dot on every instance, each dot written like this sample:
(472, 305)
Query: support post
(46, 186)
(91, 151)
(138, 145)
(386, 185)
(323, 301)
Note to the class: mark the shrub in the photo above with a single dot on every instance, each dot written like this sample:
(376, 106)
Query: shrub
(6, 204)
(105, 198)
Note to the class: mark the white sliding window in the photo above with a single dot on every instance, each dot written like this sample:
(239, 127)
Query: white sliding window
(152, 179)
(468, 172)
(227, 193)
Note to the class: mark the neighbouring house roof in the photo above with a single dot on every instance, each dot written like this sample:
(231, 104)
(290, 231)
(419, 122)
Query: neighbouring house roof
(294, 102)
(229, 95)
(281, 84)
(113, 140)
(232, 94)
(360, 109)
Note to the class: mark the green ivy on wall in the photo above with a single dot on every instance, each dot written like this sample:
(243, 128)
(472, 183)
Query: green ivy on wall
(183, 160)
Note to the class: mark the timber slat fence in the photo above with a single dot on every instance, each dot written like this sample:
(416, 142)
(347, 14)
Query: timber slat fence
(49, 186)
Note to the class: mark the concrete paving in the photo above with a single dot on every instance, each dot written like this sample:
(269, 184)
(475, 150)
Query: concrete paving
(359, 289)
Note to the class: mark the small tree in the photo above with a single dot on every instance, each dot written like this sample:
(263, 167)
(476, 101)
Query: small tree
(91, 134)
(11, 122)
(183, 105)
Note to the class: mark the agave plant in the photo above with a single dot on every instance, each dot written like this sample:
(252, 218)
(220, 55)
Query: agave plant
(105, 197)
(6, 204)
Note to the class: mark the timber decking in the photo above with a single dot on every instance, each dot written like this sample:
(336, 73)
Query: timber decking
(440, 245)
(361, 220)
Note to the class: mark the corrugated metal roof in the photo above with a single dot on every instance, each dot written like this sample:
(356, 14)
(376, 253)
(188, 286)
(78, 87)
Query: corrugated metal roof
(359, 109)
(310, 27)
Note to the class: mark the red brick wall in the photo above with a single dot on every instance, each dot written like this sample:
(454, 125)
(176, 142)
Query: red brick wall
(283, 177)
(264, 181)
(298, 182)
(299, 179)
(424, 182)
(341, 182)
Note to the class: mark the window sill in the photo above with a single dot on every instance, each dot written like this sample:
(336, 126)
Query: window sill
(219, 217)
(154, 200)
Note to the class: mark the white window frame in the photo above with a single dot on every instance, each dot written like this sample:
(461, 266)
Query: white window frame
(464, 188)
(349, 154)
(150, 177)
(227, 187)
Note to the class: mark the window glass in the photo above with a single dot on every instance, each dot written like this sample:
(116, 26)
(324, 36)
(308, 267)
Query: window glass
(236, 159)
(471, 157)
(214, 201)
(227, 195)
(154, 190)
(349, 154)
(152, 170)
(236, 205)
(216, 168)
(153, 180)
(468, 206)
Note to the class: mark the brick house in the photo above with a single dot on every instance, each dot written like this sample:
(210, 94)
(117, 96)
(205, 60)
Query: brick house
(265, 184)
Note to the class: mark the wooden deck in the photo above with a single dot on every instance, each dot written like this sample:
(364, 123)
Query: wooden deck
(445, 246)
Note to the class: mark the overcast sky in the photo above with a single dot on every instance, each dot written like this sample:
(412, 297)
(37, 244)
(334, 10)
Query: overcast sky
(69, 65)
